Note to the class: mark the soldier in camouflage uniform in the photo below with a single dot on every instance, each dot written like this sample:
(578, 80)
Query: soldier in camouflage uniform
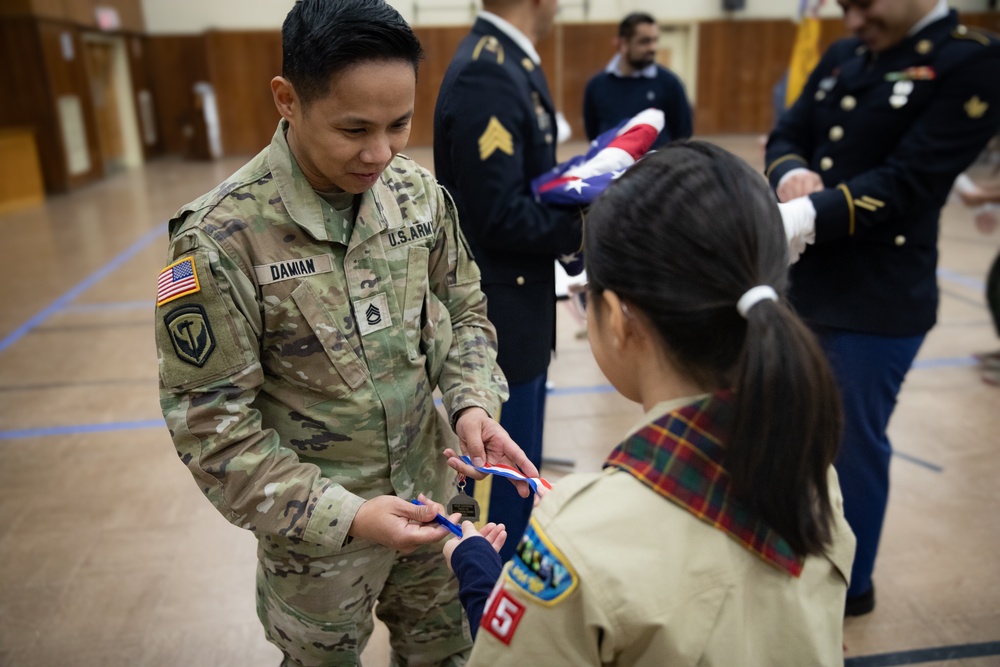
(311, 305)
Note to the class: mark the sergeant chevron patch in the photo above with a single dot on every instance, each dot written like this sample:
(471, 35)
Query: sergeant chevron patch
(372, 314)
(495, 138)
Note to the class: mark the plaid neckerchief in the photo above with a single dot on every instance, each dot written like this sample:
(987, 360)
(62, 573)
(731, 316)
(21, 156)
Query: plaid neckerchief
(679, 456)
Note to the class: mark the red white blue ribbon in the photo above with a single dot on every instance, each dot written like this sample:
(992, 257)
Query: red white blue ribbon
(510, 473)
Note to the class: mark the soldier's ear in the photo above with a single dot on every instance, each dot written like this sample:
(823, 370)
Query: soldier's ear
(285, 98)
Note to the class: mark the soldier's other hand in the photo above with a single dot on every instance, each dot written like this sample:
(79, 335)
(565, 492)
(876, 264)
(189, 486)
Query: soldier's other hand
(399, 524)
(799, 219)
(798, 183)
(485, 441)
(494, 533)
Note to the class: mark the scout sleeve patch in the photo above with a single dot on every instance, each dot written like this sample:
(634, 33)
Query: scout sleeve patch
(177, 280)
(503, 614)
(540, 569)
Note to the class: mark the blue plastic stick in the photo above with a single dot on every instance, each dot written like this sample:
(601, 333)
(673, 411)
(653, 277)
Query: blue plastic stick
(442, 520)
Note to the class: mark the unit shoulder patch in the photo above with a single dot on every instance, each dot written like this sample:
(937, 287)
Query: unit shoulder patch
(190, 333)
(540, 569)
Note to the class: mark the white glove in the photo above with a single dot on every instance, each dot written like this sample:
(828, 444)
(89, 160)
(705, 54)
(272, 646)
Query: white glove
(799, 218)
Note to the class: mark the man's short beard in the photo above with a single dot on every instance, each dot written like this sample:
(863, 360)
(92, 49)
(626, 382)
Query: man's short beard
(642, 64)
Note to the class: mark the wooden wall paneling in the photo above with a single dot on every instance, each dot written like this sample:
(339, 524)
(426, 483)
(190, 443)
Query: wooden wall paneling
(712, 50)
(139, 70)
(80, 12)
(130, 13)
(989, 21)
(241, 66)
(176, 62)
(439, 46)
(739, 63)
(28, 102)
(69, 77)
(586, 50)
(15, 7)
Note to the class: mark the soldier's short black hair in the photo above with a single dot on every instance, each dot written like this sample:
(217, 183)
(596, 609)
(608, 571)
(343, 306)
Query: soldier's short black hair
(320, 38)
(627, 27)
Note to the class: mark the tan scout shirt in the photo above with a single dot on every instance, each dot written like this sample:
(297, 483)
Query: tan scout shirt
(297, 371)
(645, 582)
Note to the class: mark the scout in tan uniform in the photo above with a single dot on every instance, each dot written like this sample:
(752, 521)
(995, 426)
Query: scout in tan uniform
(311, 305)
(715, 534)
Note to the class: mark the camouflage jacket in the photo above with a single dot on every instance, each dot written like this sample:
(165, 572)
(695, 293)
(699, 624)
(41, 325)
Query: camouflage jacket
(297, 367)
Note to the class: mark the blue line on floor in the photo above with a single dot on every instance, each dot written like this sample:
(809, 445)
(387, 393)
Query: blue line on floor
(82, 287)
(959, 279)
(951, 294)
(917, 461)
(114, 305)
(921, 655)
(576, 391)
(80, 428)
(944, 362)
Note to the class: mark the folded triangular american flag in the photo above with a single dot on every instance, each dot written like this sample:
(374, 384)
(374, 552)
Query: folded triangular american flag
(578, 181)
(510, 473)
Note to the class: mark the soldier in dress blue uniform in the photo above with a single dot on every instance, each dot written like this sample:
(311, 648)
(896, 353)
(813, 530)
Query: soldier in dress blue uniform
(865, 159)
(494, 131)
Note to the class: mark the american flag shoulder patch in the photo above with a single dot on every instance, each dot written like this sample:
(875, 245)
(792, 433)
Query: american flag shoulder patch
(177, 280)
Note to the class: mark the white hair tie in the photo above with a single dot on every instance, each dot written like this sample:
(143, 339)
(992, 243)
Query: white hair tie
(753, 296)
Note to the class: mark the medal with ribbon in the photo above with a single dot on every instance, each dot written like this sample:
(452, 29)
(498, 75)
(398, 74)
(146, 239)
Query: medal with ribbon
(509, 472)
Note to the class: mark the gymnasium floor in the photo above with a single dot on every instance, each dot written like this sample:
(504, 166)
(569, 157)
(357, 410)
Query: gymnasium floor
(109, 554)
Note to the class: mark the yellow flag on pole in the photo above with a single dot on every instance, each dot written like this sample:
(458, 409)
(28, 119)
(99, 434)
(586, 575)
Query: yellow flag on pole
(805, 55)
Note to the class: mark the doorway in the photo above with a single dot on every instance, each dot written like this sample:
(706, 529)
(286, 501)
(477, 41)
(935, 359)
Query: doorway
(112, 99)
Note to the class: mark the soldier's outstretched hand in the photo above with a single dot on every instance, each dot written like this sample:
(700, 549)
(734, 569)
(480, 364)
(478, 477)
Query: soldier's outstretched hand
(484, 441)
(399, 524)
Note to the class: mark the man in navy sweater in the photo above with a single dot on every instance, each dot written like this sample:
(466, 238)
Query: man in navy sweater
(633, 81)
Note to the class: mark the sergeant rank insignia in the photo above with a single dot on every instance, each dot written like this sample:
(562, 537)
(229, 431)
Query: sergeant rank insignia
(190, 334)
(495, 138)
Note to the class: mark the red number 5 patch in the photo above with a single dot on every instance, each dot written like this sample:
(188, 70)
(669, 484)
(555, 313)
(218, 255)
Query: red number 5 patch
(502, 616)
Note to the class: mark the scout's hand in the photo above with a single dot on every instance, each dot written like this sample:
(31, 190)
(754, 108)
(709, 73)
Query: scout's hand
(799, 183)
(398, 524)
(495, 534)
(485, 441)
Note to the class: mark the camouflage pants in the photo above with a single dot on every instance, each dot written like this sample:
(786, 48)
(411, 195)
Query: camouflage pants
(317, 608)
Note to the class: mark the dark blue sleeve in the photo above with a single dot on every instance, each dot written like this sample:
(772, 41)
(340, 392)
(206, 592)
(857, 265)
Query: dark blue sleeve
(591, 123)
(477, 567)
(499, 212)
(678, 111)
(937, 147)
(790, 144)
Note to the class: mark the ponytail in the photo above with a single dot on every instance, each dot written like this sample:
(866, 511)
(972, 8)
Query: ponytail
(685, 235)
(787, 427)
